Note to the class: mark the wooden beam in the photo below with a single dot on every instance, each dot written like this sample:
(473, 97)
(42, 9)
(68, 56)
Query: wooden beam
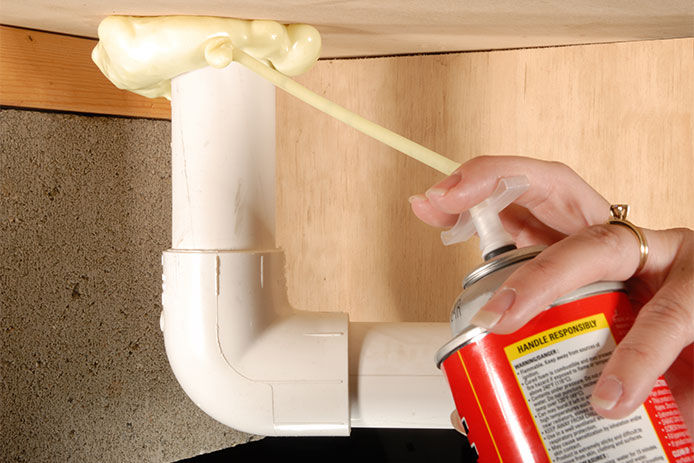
(52, 71)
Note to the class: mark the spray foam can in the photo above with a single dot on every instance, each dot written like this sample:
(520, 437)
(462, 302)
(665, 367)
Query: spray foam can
(524, 396)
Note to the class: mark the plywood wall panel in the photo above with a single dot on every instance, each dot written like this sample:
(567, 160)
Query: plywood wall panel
(622, 115)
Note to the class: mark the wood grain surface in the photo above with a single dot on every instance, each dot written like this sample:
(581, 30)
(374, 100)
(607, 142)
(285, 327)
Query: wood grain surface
(53, 71)
(622, 115)
(389, 27)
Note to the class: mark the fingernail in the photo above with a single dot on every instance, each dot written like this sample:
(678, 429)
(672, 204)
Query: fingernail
(492, 312)
(443, 186)
(416, 199)
(435, 192)
(607, 393)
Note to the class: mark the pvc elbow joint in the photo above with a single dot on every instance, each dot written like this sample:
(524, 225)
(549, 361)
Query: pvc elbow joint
(268, 372)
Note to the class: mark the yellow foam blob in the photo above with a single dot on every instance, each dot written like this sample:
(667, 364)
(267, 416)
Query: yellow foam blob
(143, 54)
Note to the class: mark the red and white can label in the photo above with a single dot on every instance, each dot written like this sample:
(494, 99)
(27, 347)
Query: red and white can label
(525, 396)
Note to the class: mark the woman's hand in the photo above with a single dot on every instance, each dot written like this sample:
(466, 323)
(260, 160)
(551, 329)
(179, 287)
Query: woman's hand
(563, 212)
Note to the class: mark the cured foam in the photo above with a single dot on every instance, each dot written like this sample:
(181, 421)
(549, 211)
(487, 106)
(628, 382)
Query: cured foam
(143, 54)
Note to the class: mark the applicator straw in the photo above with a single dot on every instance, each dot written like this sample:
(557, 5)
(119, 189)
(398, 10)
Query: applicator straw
(388, 137)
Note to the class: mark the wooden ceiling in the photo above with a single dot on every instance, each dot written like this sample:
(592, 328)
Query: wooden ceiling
(392, 27)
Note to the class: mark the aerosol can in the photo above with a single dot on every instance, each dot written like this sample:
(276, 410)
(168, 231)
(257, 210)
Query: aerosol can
(524, 396)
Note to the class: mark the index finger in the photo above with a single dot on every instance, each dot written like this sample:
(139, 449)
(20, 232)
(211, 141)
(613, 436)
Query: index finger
(557, 196)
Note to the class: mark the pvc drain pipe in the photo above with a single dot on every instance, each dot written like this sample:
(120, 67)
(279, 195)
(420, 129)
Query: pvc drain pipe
(238, 349)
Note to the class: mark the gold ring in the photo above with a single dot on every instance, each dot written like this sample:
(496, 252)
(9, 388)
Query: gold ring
(619, 214)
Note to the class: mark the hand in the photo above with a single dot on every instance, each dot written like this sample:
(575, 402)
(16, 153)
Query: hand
(563, 212)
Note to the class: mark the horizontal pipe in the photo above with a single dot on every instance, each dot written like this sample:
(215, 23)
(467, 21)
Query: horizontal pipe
(394, 382)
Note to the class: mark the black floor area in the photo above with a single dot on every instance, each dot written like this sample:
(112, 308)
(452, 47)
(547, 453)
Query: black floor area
(369, 445)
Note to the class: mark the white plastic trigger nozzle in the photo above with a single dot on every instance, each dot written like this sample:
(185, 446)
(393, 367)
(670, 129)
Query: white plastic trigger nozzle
(483, 219)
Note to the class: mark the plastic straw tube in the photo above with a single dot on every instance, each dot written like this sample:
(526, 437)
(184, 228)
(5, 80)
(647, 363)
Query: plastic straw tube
(388, 137)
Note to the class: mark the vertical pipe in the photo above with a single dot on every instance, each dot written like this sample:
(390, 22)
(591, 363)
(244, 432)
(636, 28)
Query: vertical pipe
(223, 160)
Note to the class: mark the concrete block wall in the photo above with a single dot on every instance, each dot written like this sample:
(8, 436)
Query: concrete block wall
(85, 211)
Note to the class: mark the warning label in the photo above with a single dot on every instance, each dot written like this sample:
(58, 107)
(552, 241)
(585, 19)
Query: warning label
(557, 371)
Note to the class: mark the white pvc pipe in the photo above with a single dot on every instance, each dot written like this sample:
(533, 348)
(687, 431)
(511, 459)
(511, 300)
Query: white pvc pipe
(243, 356)
(394, 383)
(240, 352)
(223, 160)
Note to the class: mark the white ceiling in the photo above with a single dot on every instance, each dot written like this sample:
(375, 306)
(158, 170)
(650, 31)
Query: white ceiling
(387, 27)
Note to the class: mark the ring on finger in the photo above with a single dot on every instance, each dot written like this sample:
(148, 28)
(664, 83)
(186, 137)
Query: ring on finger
(619, 214)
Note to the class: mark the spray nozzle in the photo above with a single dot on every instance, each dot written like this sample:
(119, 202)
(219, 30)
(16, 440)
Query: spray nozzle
(484, 219)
